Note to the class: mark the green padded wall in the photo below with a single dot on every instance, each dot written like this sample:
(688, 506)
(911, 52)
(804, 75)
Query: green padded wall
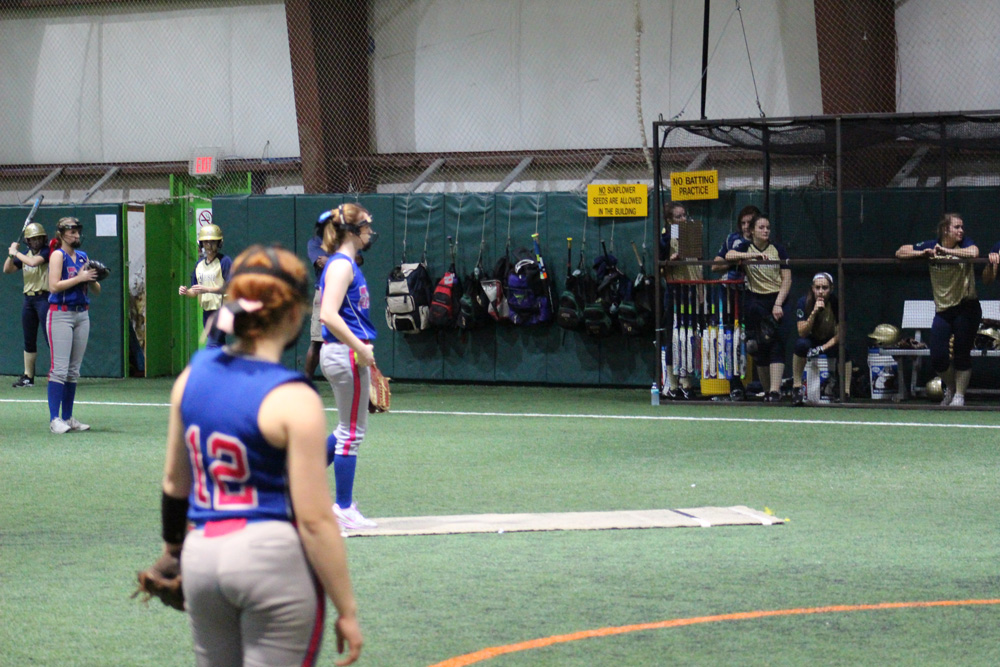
(875, 224)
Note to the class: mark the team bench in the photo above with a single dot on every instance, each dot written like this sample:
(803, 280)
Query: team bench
(917, 316)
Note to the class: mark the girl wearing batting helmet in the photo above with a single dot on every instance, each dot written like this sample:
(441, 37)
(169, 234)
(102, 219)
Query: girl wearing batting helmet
(33, 266)
(208, 282)
(956, 306)
(347, 352)
(245, 467)
(71, 282)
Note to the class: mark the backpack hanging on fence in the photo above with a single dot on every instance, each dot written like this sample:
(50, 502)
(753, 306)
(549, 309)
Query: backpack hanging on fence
(580, 289)
(635, 315)
(527, 291)
(474, 306)
(613, 287)
(445, 299)
(493, 285)
(408, 298)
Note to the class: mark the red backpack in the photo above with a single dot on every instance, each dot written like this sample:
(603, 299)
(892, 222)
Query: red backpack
(444, 300)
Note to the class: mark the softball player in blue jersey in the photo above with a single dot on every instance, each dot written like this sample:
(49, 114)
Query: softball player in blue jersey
(33, 266)
(347, 352)
(71, 282)
(246, 468)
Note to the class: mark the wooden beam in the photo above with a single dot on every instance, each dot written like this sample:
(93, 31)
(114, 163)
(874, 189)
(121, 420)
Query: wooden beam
(856, 41)
(328, 41)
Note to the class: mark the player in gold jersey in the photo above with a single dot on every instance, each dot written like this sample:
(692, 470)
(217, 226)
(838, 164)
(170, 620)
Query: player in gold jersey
(956, 305)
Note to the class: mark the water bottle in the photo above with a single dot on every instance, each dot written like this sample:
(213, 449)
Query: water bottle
(654, 395)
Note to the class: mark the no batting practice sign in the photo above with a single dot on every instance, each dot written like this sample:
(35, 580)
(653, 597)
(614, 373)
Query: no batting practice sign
(694, 185)
(617, 201)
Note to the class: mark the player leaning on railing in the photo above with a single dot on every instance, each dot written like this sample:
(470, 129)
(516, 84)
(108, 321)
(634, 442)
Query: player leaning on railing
(956, 305)
(767, 289)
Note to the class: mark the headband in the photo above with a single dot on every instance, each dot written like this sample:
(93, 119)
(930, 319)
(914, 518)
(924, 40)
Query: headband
(824, 274)
(301, 287)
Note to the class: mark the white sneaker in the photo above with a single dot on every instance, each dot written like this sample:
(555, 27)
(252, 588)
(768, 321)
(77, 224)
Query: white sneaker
(58, 426)
(75, 425)
(351, 519)
(958, 401)
(949, 394)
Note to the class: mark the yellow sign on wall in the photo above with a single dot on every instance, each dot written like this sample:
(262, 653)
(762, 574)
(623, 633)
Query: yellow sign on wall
(617, 201)
(694, 185)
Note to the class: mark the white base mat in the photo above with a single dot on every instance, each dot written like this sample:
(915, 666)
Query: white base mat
(697, 517)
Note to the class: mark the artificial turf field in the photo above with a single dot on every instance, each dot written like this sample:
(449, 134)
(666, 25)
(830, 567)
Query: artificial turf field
(884, 506)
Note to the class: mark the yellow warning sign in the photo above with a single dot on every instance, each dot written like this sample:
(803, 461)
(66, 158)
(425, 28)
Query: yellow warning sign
(617, 201)
(694, 185)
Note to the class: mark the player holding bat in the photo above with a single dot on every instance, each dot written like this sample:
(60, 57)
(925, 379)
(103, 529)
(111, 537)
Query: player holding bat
(679, 351)
(33, 265)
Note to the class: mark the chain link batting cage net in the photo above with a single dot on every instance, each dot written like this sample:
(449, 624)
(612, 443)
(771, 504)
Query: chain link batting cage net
(842, 193)
(158, 108)
(138, 100)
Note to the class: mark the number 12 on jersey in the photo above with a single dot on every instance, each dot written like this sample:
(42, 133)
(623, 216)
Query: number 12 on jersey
(221, 484)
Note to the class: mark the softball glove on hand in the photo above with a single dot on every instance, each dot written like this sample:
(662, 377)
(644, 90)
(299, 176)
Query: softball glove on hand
(162, 580)
(379, 394)
(102, 270)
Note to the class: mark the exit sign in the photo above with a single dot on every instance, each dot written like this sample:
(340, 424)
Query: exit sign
(204, 162)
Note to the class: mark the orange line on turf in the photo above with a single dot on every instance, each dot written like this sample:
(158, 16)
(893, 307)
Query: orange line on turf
(493, 652)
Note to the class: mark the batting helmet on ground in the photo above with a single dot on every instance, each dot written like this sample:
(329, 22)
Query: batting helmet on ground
(935, 391)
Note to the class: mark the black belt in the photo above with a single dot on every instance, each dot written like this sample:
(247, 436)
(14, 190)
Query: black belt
(36, 293)
(65, 308)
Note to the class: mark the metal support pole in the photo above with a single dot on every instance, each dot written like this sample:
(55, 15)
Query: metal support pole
(97, 186)
(592, 174)
(704, 57)
(515, 172)
(944, 169)
(841, 306)
(41, 184)
(657, 291)
(434, 166)
(766, 143)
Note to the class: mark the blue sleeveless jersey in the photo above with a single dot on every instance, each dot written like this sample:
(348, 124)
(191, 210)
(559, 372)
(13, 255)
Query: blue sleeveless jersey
(76, 295)
(356, 306)
(236, 473)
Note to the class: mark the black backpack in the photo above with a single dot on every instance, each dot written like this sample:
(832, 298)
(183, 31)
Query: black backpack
(580, 289)
(474, 305)
(613, 287)
(408, 298)
(635, 315)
